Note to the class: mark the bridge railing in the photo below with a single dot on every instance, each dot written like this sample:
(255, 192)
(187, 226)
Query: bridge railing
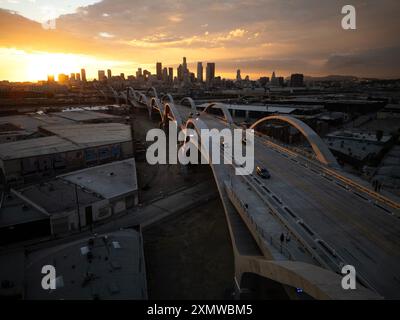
(278, 245)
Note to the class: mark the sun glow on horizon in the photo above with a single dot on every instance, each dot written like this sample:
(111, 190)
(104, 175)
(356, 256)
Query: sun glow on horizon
(36, 66)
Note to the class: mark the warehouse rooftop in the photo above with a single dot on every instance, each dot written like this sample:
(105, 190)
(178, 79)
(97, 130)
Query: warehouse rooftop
(109, 180)
(85, 115)
(35, 147)
(57, 196)
(109, 266)
(88, 135)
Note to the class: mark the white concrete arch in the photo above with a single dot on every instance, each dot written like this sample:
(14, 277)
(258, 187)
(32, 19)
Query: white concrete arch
(324, 155)
(224, 109)
(172, 113)
(191, 102)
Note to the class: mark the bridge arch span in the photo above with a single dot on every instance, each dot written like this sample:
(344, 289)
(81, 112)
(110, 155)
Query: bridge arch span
(324, 155)
(155, 104)
(153, 90)
(223, 108)
(191, 102)
(317, 282)
(167, 98)
(172, 113)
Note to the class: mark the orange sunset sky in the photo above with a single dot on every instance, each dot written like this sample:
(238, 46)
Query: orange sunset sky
(257, 36)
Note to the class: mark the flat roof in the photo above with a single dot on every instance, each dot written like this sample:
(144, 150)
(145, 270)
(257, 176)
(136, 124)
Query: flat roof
(357, 135)
(31, 122)
(58, 196)
(35, 147)
(15, 211)
(88, 135)
(84, 115)
(106, 267)
(354, 148)
(109, 180)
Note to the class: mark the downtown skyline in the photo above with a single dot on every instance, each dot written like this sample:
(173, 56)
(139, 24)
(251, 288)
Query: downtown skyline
(257, 37)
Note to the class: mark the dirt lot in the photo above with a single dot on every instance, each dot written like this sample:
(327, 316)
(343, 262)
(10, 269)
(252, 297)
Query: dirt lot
(189, 256)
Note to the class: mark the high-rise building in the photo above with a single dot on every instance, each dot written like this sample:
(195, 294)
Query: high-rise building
(139, 73)
(83, 75)
(50, 78)
(72, 76)
(109, 75)
(199, 71)
(101, 75)
(165, 75)
(63, 78)
(184, 64)
(210, 72)
(159, 70)
(78, 76)
(297, 80)
(238, 76)
(122, 76)
(185, 71)
(180, 73)
(263, 81)
(146, 74)
(274, 79)
(171, 75)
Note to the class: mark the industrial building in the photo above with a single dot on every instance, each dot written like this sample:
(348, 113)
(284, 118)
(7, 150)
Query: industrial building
(116, 182)
(69, 147)
(80, 199)
(69, 207)
(20, 221)
(356, 148)
(100, 267)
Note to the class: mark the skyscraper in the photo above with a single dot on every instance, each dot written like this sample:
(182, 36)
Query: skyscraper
(78, 76)
(210, 72)
(297, 80)
(109, 74)
(159, 70)
(184, 64)
(180, 73)
(63, 78)
(165, 75)
(139, 73)
(199, 71)
(238, 76)
(171, 74)
(101, 75)
(72, 76)
(274, 80)
(185, 71)
(83, 75)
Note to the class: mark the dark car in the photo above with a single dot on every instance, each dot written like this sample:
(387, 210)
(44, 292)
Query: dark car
(263, 173)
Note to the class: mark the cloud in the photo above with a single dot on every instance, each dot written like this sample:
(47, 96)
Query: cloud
(382, 62)
(280, 33)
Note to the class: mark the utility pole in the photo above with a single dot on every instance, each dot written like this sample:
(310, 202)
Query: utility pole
(132, 124)
(77, 208)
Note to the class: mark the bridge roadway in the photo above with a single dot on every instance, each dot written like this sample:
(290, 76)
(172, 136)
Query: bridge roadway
(331, 223)
(352, 228)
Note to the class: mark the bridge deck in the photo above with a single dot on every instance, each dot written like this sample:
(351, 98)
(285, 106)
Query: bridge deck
(361, 233)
